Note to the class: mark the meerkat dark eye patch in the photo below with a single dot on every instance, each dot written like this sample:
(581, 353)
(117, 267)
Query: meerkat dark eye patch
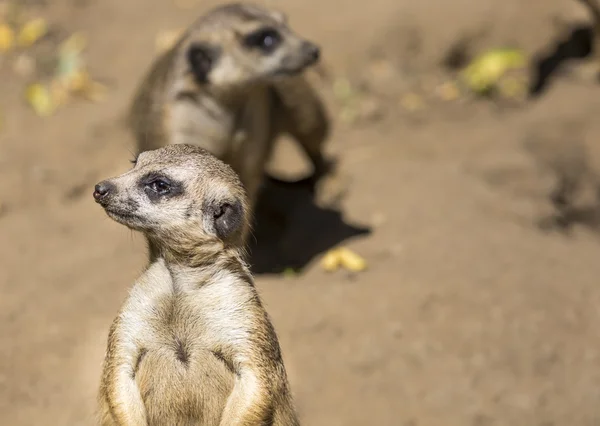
(265, 39)
(157, 186)
(202, 58)
(227, 218)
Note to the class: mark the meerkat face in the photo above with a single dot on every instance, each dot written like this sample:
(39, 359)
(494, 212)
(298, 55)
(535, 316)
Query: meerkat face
(179, 191)
(239, 44)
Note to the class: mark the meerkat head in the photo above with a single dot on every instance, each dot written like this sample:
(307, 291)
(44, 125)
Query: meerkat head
(181, 197)
(238, 44)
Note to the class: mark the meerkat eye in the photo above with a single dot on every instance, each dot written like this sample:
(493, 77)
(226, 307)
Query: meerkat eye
(265, 39)
(160, 186)
(157, 186)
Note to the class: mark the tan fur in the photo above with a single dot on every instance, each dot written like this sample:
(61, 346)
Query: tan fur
(240, 110)
(192, 344)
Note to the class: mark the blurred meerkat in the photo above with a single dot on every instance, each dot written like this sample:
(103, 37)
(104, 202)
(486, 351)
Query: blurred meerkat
(192, 344)
(232, 83)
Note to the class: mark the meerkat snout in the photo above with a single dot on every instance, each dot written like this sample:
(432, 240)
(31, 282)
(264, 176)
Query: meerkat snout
(176, 193)
(102, 190)
(312, 52)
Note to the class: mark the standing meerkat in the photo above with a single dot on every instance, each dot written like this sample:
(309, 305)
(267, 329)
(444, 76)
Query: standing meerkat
(232, 84)
(192, 344)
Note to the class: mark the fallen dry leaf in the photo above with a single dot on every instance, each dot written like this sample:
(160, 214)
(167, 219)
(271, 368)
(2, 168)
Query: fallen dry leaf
(330, 261)
(351, 261)
(341, 256)
(38, 96)
(484, 72)
(77, 83)
(59, 92)
(513, 87)
(75, 44)
(83, 85)
(7, 38)
(32, 31)
(72, 77)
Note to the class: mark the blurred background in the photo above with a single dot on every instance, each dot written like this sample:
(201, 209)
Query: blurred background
(456, 122)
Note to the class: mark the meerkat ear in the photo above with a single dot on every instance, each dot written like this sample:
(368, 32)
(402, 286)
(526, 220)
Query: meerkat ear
(279, 17)
(228, 219)
(202, 58)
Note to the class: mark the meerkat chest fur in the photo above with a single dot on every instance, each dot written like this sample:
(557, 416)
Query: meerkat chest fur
(182, 328)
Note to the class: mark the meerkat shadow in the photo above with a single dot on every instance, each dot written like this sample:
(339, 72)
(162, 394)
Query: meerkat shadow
(565, 221)
(290, 230)
(578, 44)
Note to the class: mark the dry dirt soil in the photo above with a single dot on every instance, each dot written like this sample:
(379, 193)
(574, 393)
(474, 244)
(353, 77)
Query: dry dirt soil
(470, 312)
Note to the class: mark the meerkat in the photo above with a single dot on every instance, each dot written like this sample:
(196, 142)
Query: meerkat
(232, 83)
(192, 344)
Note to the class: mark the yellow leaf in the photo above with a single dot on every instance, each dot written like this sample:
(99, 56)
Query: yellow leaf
(39, 98)
(351, 261)
(32, 31)
(94, 91)
(7, 38)
(78, 80)
(81, 83)
(74, 44)
(484, 72)
(331, 261)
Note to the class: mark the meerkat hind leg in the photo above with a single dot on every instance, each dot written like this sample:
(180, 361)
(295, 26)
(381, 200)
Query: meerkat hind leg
(300, 113)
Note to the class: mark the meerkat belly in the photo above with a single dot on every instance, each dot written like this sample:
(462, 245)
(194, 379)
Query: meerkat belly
(193, 387)
(253, 144)
(178, 371)
(192, 122)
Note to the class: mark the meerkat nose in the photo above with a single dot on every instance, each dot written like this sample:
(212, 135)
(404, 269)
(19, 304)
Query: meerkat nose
(102, 189)
(312, 50)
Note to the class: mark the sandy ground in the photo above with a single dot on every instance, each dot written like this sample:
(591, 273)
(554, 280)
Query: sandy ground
(469, 314)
